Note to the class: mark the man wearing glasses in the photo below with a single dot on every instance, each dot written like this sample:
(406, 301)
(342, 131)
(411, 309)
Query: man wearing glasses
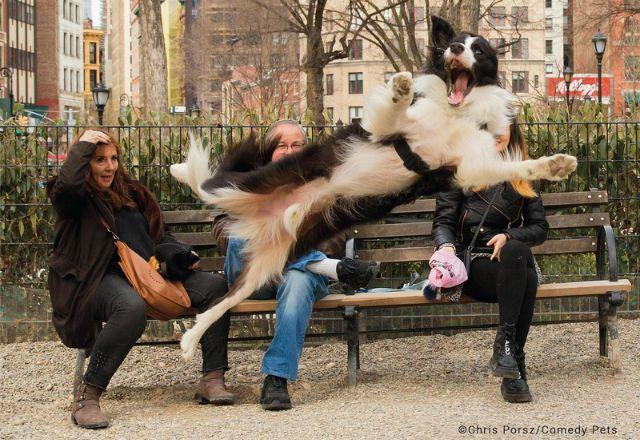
(303, 283)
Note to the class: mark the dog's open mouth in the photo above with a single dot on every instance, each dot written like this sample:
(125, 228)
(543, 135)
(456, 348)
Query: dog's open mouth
(461, 81)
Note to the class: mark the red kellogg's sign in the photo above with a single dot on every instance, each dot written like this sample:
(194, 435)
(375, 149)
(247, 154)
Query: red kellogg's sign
(582, 86)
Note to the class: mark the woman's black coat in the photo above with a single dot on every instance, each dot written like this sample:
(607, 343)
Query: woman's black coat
(458, 216)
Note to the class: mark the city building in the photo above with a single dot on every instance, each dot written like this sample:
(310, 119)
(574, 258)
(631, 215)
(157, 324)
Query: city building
(621, 61)
(60, 60)
(173, 30)
(21, 48)
(92, 42)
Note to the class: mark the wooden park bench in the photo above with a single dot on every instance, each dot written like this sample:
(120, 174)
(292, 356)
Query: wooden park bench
(405, 237)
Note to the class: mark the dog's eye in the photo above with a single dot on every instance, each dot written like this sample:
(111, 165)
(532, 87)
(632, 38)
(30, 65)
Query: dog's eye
(478, 52)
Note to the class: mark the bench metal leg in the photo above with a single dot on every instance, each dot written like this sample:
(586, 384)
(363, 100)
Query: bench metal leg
(353, 343)
(79, 369)
(615, 300)
(603, 305)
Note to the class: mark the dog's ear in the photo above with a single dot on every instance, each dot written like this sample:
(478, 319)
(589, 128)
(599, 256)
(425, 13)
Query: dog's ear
(441, 32)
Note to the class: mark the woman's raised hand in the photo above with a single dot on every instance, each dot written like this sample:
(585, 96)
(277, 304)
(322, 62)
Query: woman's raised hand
(95, 137)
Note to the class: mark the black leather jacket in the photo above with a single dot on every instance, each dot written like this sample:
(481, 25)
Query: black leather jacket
(458, 216)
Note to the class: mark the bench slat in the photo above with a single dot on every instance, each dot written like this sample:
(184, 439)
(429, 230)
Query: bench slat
(329, 302)
(550, 200)
(423, 253)
(196, 239)
(189, 217)
(553, 290)
(212, 264)
(578, 220)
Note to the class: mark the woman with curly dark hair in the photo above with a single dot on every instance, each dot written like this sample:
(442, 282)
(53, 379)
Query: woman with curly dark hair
(87, 286)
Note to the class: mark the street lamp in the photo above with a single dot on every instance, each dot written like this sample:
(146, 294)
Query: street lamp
(599, 44)
(194, 112)
(100, 98)
(567, 74)
(6, 72)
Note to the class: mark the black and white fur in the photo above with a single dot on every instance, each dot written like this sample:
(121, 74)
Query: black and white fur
(288, 207)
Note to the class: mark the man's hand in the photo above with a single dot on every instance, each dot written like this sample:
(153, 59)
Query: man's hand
(497, 242)
(449, 249)
(95, 137)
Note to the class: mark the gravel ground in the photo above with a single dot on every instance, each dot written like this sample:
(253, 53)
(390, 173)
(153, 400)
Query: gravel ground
(418, 387)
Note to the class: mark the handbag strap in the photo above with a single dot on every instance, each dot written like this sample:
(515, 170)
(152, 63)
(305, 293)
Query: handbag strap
(113, 234)
(484, 217)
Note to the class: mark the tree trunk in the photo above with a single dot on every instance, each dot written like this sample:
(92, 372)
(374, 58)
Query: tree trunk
(315, 93)
(469, 15)
(153, 59)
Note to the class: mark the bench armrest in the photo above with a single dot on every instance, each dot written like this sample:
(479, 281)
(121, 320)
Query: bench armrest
(606, 237)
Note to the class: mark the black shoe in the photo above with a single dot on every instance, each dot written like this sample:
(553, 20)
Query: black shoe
(517, 390)
(503, 362)
(275, 396)
(356, 273)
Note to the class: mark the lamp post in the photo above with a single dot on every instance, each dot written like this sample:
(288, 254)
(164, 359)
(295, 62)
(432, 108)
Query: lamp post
(100, 98)
(194, 112)
(567, 74)
(6, 72)
(599, 44)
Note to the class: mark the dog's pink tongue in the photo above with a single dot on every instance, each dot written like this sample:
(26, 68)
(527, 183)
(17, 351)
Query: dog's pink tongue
(457, 94)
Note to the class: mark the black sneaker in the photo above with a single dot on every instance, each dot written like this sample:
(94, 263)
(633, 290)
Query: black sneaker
(275, 396)
(356, 273)
(503, 362)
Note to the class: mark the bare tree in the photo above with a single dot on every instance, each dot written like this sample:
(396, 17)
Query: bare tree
(153, 58)
(308, 19)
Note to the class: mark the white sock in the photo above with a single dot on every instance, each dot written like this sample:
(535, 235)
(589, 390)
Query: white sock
(327, 267)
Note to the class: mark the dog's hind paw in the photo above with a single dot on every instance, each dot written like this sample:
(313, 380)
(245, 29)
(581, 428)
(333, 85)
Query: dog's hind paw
(402, 86)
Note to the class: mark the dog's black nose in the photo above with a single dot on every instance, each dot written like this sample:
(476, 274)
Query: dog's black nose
(456, 48)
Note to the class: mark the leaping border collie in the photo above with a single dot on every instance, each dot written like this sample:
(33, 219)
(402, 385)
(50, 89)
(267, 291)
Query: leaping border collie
(288, 207)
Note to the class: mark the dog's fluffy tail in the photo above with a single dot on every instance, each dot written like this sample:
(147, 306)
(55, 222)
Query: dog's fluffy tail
(196, 170)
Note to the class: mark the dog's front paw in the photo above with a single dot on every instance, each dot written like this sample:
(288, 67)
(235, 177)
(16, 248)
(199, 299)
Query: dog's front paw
(561, 165)
(402, 86)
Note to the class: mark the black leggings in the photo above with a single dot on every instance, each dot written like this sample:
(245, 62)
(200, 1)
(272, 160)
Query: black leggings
(116, 303)
(512, 282)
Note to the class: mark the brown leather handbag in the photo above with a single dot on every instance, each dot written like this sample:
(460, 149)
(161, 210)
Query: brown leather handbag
(165, 299)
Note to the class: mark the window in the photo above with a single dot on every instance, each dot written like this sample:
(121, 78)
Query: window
(497, 16)
(355, 49)
(548, 3)
(78, 86)
(216, 85)
(631, 32)
(549, 47)
(64, 44)
(419, 17)
(64, 9)
(328, 46)
(329, 20)
(92, 53)
(330, 113)
(632, 68)
(536, 81)
(64, 85)
(355, 83)
(78, 51)
(520, 49)
(77, 15)
(520, 14)
(519, 82)
(565, 22)
(93, 78)
(498, 44)
(548, 23)
(548, 69)
(355, 114)
(71, 80)
(329, 84)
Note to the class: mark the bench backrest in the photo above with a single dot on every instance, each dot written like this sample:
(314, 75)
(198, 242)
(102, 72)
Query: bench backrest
(405, 236)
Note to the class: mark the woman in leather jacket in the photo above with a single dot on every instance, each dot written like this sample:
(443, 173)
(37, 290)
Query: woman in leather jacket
(502, 269)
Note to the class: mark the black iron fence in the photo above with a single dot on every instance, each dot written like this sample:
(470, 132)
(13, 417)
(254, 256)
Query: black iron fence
(608, 154)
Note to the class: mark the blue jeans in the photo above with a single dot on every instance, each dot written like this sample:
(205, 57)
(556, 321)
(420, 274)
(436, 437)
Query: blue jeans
(295, 297)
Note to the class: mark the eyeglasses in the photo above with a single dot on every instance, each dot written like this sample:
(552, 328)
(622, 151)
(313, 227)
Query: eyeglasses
(292, 146)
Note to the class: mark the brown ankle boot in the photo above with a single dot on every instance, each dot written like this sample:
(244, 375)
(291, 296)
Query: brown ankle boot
(86, 411)
(211, 389)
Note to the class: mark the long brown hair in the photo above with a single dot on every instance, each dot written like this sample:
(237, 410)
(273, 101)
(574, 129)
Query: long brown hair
(517, 148)
(124, 192)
